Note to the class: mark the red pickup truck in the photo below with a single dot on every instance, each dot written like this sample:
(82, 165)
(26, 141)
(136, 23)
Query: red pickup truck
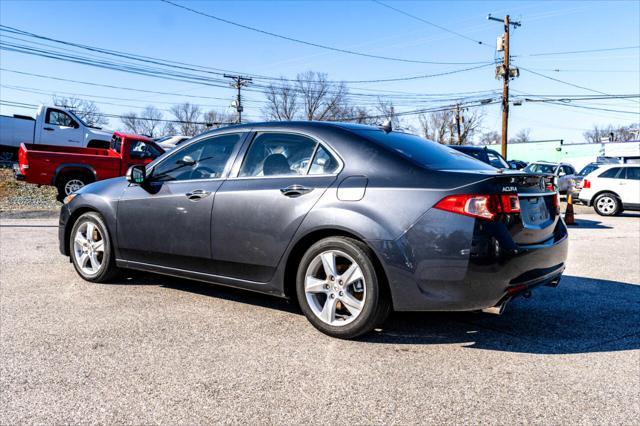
(70, 168)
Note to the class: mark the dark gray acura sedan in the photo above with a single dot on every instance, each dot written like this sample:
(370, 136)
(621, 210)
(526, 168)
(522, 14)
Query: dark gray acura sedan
(351, 221)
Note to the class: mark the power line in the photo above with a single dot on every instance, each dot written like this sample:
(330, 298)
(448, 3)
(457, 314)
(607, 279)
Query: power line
(566, 82)
(313, 44)
(201, 68)
(571, 52)
(430, 23)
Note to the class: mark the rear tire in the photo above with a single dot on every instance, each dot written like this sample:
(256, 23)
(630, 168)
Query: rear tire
(70, 183)
(607, 204)
(339, 289)
(91, 249)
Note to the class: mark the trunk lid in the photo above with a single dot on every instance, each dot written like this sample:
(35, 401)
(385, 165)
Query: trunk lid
(539, 213)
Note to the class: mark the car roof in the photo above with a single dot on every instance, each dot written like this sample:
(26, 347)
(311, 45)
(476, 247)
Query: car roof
(470, 148)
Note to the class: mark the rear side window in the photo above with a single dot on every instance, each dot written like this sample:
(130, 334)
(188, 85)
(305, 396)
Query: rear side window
(611, 173)
(633, 173)
(422, 152)
(278, 154)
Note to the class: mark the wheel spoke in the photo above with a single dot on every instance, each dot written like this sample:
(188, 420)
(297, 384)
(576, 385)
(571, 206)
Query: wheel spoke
(329, 263)
(99, 246)
(328, 313)
(84, 258)
(95, 263)
(353, 305)
(90, 228)
(79, 239)
(354, 273)
(314, 285)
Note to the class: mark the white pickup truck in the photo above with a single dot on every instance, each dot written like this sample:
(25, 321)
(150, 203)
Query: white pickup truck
(52, 126)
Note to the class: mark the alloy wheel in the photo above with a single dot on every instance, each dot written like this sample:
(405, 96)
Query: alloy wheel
(335, 288)
(88, 248)
(606, 205)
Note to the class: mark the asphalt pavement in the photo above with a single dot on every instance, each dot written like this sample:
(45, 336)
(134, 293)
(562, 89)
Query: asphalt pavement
(150, 349)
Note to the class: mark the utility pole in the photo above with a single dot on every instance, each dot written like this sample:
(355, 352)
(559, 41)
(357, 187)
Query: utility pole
(458, 122)
(506, 73)
(238, 82)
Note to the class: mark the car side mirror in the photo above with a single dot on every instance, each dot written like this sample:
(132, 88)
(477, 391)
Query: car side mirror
(137, 174)
(187, 160)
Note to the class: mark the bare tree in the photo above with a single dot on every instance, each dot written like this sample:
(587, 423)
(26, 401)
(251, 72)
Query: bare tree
(188, 116)
(282, 101)
(148, 123)
(86, 110)
(521, 136)
(440, 126)
(490, 137)
(216, 119)
(612, 133)
(321, 99)
(436, 126)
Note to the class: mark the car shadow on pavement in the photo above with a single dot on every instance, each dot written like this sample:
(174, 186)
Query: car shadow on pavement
(581, 315)
(589, 224)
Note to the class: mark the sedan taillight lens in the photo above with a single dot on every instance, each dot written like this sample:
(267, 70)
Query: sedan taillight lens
(480, 206)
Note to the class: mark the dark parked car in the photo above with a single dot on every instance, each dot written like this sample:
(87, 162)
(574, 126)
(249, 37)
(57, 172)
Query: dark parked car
(484, 154)
(517, 164)
(350, 220)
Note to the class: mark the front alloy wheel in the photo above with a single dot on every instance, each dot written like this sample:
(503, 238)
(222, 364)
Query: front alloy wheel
(339, 290)
(91, 250)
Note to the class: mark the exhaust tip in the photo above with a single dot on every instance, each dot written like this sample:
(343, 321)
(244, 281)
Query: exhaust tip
(496, 310)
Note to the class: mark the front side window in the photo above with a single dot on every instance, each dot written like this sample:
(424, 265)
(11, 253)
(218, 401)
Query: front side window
(59, 118)
(205, 159)
(278, 154)
(611, 173)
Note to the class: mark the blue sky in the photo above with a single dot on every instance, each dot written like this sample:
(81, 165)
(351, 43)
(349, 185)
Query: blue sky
(160, 30)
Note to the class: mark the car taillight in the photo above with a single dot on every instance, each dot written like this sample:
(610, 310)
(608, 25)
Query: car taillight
(481, 206)
(586, 184)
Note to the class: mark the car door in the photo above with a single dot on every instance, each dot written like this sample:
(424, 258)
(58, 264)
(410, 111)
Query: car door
(60, 128)
(629, 185)
(259, 208)
(167, 220)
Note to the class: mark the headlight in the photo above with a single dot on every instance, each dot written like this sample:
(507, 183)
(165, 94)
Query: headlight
(68, 198)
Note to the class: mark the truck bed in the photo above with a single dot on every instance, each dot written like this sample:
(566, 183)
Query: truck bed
(103, 152)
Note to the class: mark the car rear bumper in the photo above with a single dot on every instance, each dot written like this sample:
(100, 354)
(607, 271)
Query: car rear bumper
(449, 263)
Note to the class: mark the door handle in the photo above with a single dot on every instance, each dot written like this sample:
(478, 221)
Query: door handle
(49, 129)
(197, 194)
(295, 190)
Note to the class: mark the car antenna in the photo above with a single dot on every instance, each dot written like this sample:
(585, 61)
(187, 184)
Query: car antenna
(386, 126)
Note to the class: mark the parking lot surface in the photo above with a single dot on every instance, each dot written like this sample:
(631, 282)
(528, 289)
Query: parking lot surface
(151, 349)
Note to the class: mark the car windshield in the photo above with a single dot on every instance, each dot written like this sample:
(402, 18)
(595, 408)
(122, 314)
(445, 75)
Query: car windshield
(588, 169)
(423, 152)
(541, 168)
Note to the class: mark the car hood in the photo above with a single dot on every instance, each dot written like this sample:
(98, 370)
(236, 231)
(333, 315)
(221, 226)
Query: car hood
(108, 188)
(99, 134)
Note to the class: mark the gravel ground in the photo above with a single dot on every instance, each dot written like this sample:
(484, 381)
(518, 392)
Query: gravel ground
(150, 349)
(17, 197)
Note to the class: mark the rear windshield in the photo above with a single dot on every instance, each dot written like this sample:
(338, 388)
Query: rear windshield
(541, 168)
(423, 152)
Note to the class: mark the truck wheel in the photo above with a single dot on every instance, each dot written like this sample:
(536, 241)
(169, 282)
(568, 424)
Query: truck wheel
(70, 183)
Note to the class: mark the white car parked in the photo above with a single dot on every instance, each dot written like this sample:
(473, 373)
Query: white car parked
(612, 188)
(564, 174)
